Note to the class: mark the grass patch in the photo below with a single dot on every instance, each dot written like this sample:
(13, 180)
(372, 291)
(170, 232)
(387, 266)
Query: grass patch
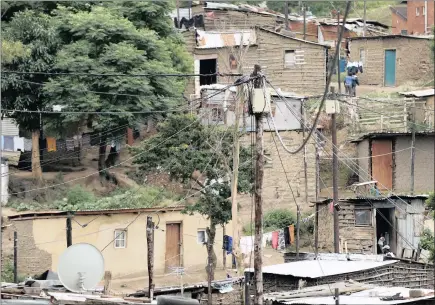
(77, 198)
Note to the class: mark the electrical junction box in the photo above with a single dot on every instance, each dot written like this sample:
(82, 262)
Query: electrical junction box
(332, 106)
(261, 100)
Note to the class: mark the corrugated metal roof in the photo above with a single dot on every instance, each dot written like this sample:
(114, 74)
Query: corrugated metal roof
(55, 213)
(385, 134)
(9, 127)
(317, 269)
(419, 93)
(213, 40)
(391, 37)
(293, 38)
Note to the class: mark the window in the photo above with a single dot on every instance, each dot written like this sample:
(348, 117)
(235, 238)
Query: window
(363, 217)
(424, 10)
(201, 236)
(417, 11)
(207, 66)
(233, 62)
(404, 32)
(362, 55)
(289, 58)
(217, 115)
(120, 239)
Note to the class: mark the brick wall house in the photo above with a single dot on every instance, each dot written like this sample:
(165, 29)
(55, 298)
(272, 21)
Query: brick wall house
(399, 20)
(363, 219)
(289, 63)
(414, 18)
(387, 60)
(420, 14)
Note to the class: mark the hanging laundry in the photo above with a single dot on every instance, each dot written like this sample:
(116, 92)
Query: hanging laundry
(69, 144)
(281, 241)
(18, 144)
(267, 239)
(8, 143)
(291, 230)
(27, 144)
(286, 237)
(51, 144)
(228, 244)
(275, 237)
(247, 244)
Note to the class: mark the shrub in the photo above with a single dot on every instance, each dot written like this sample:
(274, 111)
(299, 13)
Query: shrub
(278, 219)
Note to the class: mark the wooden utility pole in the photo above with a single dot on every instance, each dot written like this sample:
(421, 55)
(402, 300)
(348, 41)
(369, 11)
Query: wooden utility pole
(224, 252)
(413, 148)
(234, 181)
(337, 296)
(258, 196)
(178, 13)
(287, 27)
(15, 257)
(338, 57)
(150, 246)
(305, 22)
(365, 17)
(68, 231)
(335, 176)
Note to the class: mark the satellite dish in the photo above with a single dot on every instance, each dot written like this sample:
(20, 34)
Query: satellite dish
(81, 267)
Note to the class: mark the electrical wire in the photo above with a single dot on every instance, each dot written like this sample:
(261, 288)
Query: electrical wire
(353, 170)
(121, 75)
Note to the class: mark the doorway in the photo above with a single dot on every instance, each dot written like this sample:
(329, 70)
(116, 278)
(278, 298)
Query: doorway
(207, 66)
(385, 222)
(390, 68)
(382, 164)
(173, 245)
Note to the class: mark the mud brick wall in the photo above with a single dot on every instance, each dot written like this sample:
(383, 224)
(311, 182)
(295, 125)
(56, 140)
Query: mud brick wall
(413, 59)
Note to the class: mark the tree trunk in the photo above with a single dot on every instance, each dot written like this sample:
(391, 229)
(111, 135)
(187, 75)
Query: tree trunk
(102, 157)
(36, 158)
(211, 261)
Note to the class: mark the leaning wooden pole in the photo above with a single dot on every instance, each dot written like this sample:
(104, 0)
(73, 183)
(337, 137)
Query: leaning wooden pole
(150, 246)
(258, 196)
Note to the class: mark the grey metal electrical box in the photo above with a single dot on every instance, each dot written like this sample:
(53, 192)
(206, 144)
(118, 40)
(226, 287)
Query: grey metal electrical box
(261, 100)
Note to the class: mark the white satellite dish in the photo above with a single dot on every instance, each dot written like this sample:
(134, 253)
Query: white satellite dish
(81, 267)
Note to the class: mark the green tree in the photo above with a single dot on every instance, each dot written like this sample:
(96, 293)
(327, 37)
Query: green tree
(202, 156)
(32, 44)
(103, 41)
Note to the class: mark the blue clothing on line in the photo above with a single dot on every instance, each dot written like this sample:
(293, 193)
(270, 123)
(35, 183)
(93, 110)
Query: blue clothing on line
(228, 244)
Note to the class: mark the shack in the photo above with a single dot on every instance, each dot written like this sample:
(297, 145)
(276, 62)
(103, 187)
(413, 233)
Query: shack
(385, 157)
(281, 57)
(362, 220)
(311, 273)
(120, 234)
(387, 60)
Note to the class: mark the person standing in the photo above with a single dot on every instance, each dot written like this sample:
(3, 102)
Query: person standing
(355, 82)
(348, 83)
(381, 243)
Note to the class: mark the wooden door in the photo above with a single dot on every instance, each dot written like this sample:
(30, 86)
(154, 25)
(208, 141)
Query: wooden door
(382, 163)
(390, 68)
(173, 245)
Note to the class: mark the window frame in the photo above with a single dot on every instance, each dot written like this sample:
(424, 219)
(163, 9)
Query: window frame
(293, 64)
(367, 209)
(417, 11)
(423, 10)
(118, 239)
(404, 32)
(217, 114)
(205, 236)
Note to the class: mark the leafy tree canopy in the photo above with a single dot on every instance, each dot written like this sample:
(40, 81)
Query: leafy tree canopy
(32, 43)
(187, 149)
